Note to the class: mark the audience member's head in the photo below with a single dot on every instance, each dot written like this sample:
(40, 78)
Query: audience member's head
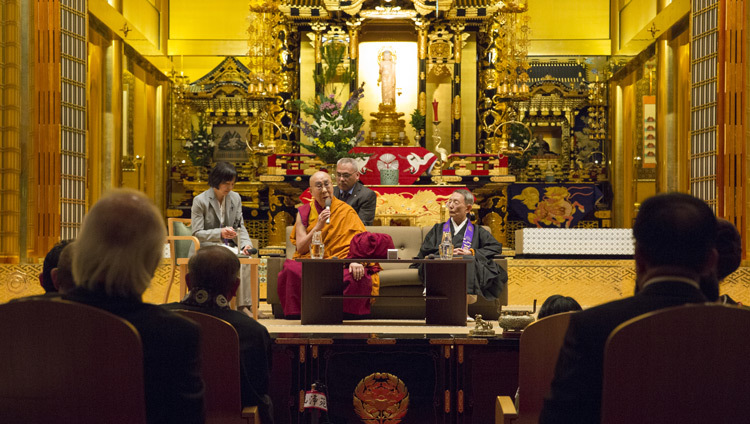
(50, 263)
(62, 276)
(347, 173)
(120, 244)
(729, 247)
(215, 270)
(222, 172)
(674, 232)
(557, 304)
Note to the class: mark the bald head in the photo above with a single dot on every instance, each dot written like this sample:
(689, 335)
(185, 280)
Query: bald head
(120, 244)
(321, 187)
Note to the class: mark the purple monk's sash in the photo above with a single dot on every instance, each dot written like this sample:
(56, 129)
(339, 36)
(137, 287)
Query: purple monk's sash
(468, 233)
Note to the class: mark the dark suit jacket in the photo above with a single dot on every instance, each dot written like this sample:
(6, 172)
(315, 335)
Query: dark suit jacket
(576, 392)
(362, 200)
(255, 352)
(171, 348)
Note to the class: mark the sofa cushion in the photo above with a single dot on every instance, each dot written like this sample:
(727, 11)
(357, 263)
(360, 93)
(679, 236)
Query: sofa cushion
(399, 277)
(407, 240)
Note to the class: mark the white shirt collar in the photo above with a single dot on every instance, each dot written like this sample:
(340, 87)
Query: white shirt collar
(457, 227)
(659, 279)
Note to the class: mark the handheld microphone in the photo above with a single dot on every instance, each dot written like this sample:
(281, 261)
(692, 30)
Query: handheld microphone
(328, 206)
(252, 251)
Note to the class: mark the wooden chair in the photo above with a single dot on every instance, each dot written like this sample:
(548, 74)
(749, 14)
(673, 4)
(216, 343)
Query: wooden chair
(179, 237)
(220, 367)
(687, 364)
(538, 351)
(65, 362)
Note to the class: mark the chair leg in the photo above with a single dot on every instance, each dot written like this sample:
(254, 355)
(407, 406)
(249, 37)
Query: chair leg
(169, 286)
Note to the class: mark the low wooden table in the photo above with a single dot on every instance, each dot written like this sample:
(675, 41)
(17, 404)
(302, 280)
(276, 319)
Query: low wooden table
(253, 262)
(323, 290)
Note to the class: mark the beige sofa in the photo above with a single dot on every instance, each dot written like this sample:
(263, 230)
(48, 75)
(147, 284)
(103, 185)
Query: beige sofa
(395, 280)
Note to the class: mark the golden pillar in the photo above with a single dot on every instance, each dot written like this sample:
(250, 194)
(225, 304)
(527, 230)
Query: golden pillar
(458, 30)
(354, 25)
(421, 26)
(318, 28)
(666, 146)
(10, 120)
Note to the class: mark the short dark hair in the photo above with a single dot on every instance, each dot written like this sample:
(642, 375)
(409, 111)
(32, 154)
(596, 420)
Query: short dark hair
(222, 172)
(50, 262)
(213, 268)
(675, 229)
(557, 304)
(729, 246)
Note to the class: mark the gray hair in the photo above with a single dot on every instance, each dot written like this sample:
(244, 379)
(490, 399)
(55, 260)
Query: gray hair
(120, 244)
(348, 161)
(468, 197)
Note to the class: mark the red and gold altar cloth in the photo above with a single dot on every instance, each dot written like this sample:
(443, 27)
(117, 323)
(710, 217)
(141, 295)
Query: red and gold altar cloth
(411, 162)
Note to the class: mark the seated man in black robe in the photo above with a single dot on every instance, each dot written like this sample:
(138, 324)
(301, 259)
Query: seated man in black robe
(484, 277)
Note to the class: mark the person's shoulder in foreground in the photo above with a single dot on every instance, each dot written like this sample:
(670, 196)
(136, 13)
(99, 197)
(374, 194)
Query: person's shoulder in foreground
(114, 258)
(674, 245)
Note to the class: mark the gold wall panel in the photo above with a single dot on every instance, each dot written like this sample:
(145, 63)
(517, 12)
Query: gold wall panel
(634, 16)
(198, 52)
(144, 16)
(640, 25)
(23, 280)
(569, 20)
(590, 282)
(208, 20)
(601, 47)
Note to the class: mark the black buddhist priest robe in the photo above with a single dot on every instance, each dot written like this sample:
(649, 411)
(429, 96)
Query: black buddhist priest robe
(484, 277)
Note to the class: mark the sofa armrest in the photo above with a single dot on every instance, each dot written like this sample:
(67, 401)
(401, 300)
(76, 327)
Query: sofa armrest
(502, 261)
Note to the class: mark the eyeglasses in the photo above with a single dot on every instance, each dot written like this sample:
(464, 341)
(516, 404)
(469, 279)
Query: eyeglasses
(320, 186)
(344, 176)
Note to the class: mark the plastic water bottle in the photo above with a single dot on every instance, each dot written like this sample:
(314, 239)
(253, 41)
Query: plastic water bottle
(446, 247)
(317, 248)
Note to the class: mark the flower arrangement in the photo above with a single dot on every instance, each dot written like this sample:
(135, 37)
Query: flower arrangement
(334, 129)
(200, 147)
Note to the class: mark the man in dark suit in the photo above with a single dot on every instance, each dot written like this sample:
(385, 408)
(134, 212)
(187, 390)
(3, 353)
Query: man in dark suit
(353, 192)
(120, 244)
(675, 238)
(213, 279)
